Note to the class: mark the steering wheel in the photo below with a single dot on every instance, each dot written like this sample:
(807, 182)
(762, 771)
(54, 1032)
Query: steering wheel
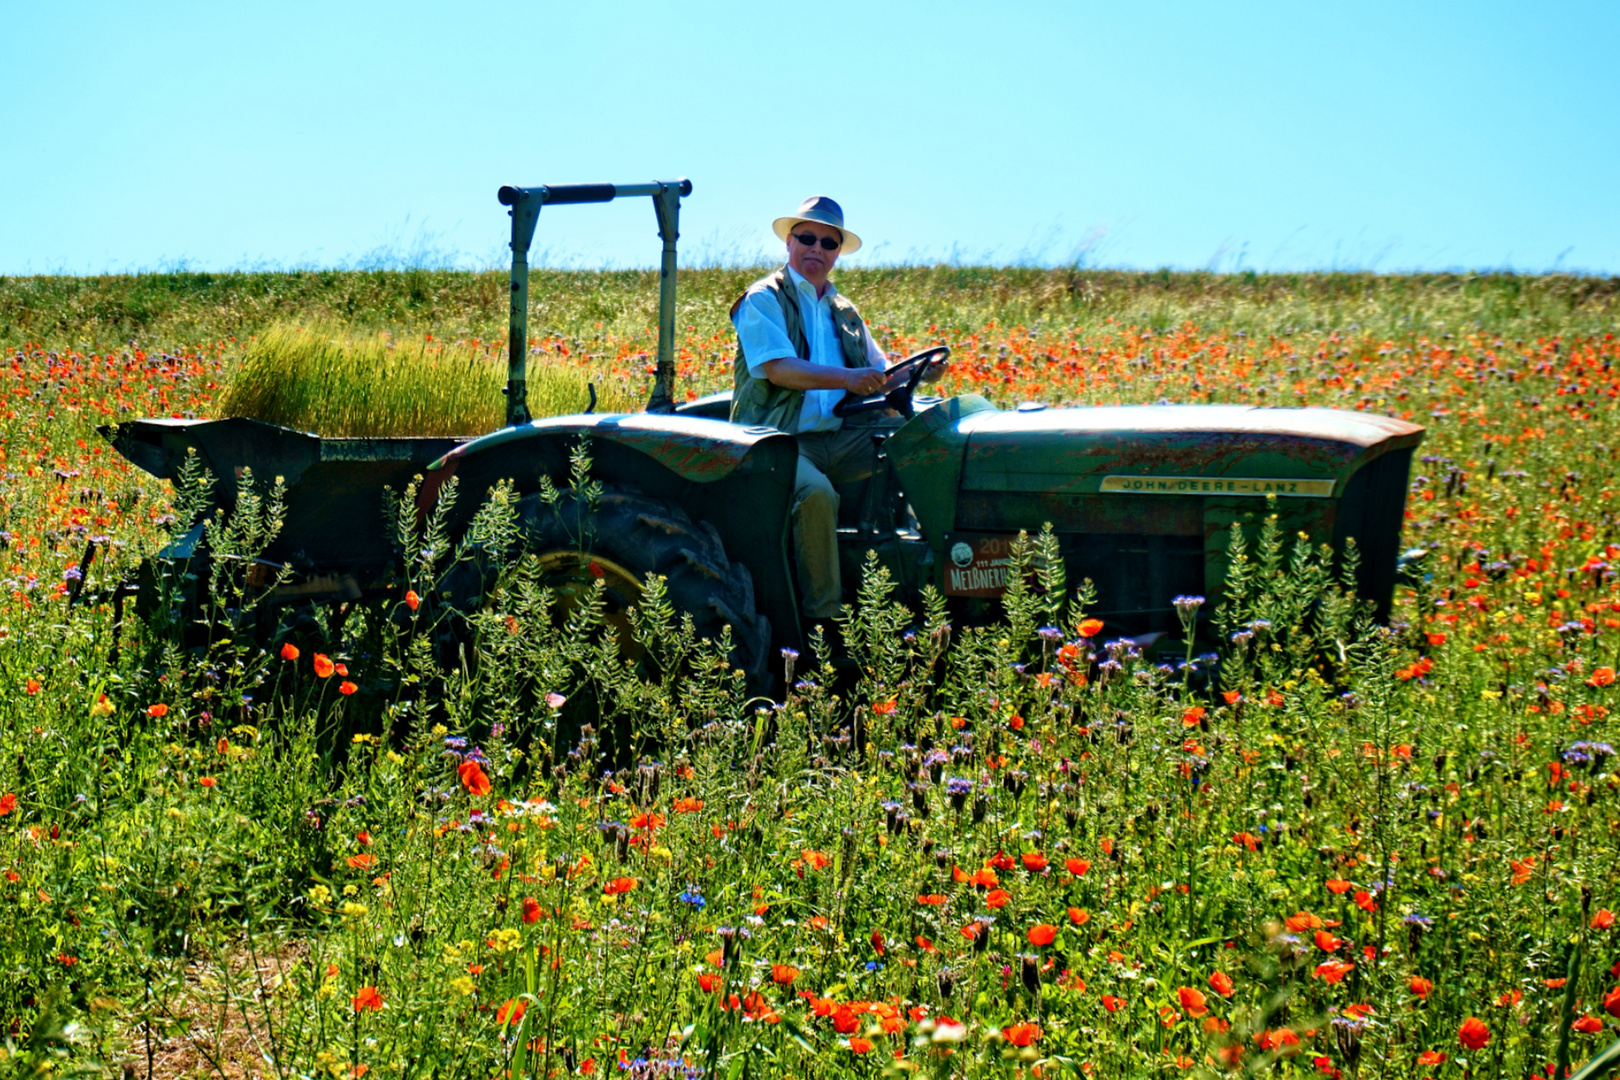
(911, 370)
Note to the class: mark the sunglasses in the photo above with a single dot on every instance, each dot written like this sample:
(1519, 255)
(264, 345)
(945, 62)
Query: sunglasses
(809, 240)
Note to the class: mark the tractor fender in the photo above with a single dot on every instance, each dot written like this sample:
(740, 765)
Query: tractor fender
(739, 479)
(699, 450)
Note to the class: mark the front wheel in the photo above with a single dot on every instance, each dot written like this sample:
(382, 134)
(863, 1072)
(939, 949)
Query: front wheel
(625, 536)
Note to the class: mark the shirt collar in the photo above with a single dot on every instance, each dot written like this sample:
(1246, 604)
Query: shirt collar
(800, 282)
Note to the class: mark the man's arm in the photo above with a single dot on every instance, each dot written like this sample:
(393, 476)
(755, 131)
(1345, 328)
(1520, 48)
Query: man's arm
(771, 355)
(796, 374)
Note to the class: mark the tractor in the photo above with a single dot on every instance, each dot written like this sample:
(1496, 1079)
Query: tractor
(1141, 499)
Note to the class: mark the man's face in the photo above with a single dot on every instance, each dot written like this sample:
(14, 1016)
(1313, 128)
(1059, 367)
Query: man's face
(812, 261)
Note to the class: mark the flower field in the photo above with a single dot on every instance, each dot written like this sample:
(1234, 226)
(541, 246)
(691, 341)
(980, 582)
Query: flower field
(338, 849)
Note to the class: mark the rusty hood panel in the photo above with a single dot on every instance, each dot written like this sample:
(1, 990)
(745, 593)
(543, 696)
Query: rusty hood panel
(1073, 450)
(692, 447)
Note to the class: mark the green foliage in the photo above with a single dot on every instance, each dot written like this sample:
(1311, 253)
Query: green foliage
(328, 380)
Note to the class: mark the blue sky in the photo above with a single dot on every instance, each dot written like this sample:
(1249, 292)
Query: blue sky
(1266, 136)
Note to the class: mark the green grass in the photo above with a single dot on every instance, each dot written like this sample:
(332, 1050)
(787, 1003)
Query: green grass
(163, 309)
(216, 854)
(327, 379)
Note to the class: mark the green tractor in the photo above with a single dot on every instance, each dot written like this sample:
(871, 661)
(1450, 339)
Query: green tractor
(1141, 499)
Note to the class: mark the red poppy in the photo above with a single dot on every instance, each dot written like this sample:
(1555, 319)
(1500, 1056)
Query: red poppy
(784, 974)
(1431, 1057)
(1090, 627)
(367, 998)
(1473, 1034)
(1602, 676)
(363, 861)
(931, 900)
(1337, 886)
(1112, 1003)
(324, 666)
(1333, 971)
(8, 803)
(1588, 1025)
(1221, 983)
(512, 1011)
(411, 599)
(207, 781)
(1420, 987)
(289, 651)
(346, 688)
(859, 1045)
(473, 778)
(531, 910)
(1192, 716)
(1034, 861)
(1611, 1002)
(1327, 942)
(1077, 867)
(688, 805)
(1041, 934)
(1231, 697)
(1021, 1034)
(158, 711)
(1079, 916)
(997, 898)
(708, 983)
(1603, 919)
(620, 885)
(1192, 1001)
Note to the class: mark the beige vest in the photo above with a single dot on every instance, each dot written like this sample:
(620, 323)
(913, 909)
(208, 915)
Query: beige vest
(762, 402)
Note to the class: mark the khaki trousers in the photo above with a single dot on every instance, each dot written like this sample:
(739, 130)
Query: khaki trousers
(826, 458)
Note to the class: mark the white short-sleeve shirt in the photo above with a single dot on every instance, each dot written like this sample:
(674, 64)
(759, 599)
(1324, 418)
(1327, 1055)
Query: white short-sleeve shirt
(762, 332)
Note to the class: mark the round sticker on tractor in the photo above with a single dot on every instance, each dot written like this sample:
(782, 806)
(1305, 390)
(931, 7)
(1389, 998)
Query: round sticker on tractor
(961, 554)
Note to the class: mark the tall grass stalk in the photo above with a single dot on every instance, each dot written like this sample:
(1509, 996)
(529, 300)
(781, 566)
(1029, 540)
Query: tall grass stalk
(338, 382)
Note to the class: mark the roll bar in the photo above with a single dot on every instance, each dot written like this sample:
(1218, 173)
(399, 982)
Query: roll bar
(526, 203)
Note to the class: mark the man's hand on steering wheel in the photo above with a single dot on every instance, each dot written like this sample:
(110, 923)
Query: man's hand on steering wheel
(896, 385)
(864, 382)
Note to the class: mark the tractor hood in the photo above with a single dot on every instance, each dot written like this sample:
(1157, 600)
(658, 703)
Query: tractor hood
(1176, 449)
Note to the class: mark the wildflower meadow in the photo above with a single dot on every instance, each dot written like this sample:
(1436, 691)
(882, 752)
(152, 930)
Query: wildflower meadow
(386, 839)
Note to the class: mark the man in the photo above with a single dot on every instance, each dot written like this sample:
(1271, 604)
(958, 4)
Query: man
(802, 347)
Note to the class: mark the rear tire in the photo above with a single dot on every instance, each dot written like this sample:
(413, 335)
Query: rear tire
(643, 535)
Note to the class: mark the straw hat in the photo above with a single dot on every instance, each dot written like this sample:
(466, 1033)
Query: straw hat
(823, 211)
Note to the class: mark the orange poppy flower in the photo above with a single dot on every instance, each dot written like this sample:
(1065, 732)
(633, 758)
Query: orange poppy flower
(473, 778)
(368, 999)
(997, 898)
(1041, 934)
(324, 666)
(1221, 983)
(1474, 1034)
(1077, 867)
(289, 651)
(1021, 1034)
